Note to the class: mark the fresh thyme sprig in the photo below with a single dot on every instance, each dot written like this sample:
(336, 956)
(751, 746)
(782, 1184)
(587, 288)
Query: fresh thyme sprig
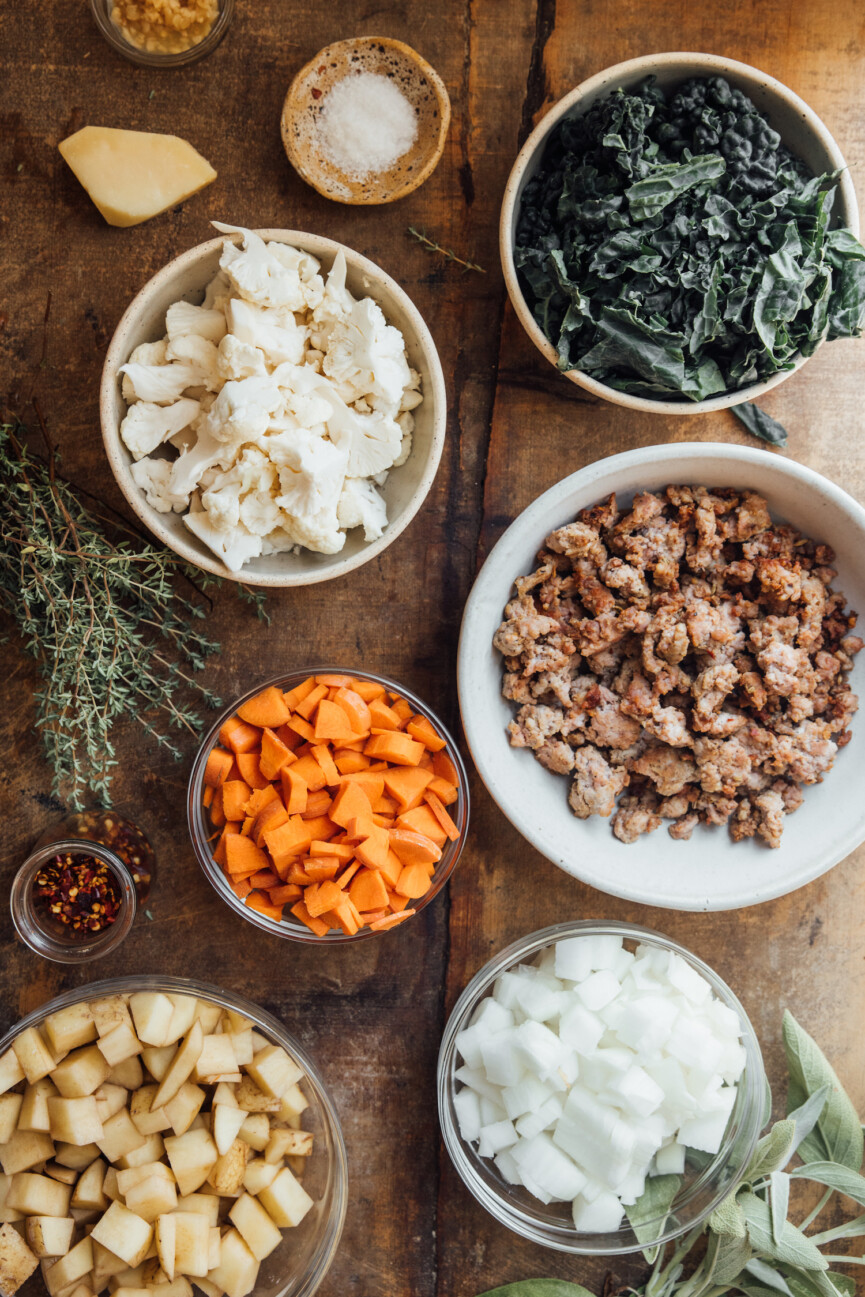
(432, 246)
(105, 617)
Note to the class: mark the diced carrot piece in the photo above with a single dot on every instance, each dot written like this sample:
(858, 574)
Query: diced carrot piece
(369, 916)
(378, 767)
(372, 851)
(347, 874)
(335, 681)
(349, 762)
(447, 793)
(217, 814)
(346, 916)
(289, 839)
(349, 802)
(316, 925)
(382, 717)
(368, 891)
(289, 737)
(295, 790)
(321, 754)
(338, 850)
(302, 728)
(246, 826)
(368, 690)
(321, 897)
(392, 868)
(356, 744)
(274, 754)
(442, 816)
(355, 709)
(390, 921)
(445, 769)
(311, 772)
(217, 766)
(258, 901)
(243, 857)
(268, 708)
(397, 902)
(318, 804)
(298, 875)
(413, 848)
(413, 882)
(383, 821)
(319, 869)
(271, 816)
(240, 886)
(371, 781)
(207, 795)
(239, 736)
(422, 730)
(398, 748)
(298, 693)
(402, 709)
(249, 769)
(406, 785)
(260, 798)
(235, 794)
(288, 892)
(264, 880)
(422, 820)
(321, 826)
(311, 701)
(219, 853)
(331, 723)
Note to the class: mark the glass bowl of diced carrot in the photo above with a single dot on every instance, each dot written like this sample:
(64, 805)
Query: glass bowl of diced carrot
(328, 805)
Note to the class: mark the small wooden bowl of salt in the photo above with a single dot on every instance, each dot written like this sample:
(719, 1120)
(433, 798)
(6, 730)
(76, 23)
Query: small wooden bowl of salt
(366, 120)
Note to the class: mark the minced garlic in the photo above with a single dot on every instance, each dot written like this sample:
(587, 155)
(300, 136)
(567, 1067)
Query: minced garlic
(164, 26)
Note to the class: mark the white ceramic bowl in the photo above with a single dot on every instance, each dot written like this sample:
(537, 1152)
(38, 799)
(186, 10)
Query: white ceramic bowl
(800, 128)
(710, 872)
(406, 488)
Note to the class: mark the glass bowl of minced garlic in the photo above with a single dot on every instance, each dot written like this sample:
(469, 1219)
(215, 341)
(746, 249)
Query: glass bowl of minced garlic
(163, 33)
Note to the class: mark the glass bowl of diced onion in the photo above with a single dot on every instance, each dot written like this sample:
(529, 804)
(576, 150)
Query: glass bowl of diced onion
(297, 1266)
(204, 838)
(702, 1179)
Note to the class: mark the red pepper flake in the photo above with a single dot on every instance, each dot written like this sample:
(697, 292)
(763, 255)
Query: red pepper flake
(78, 891)
(315, 92)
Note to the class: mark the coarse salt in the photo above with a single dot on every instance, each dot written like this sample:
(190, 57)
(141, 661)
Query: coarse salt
(366, 124)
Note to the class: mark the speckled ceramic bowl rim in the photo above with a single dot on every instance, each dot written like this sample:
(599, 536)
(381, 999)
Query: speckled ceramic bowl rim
(118, 353)
(691, 64)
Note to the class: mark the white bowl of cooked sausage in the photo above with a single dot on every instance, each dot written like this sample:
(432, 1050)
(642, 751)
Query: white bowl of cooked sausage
(683, 664)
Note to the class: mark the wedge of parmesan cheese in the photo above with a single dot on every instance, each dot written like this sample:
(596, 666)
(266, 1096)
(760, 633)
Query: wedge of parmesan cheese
(133, 175)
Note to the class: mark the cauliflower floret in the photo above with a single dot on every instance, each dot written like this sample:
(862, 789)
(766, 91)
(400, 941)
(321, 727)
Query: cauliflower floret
(218, 293)
(182, 319)
(307, 269)
(259, 275)
(406, 426)
(152, 477)
(147, 426)
(366, 356)
(221, 500)
(195, 350)
(146, 353)
(163, 383)
(360, 505)
(276, 333)
(335, 305)
(240, 359)
(242, 410)
(187, 469)
(317, 531)
(371, 440)
(311, 474)
(234, 547)
(259, 512)
(277, 541)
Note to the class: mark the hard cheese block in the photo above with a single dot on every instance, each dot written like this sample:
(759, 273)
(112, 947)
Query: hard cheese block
(133, 175)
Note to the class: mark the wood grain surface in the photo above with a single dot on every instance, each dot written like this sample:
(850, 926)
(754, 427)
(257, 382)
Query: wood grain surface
(372, 1015)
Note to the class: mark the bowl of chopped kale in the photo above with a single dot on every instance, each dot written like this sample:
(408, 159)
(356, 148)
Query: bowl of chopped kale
(680, 234)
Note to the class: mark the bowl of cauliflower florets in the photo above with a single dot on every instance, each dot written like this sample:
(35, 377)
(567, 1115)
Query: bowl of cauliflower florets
(273, 407)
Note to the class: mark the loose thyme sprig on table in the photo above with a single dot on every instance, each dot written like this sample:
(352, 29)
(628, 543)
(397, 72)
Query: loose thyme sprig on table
(104, 617)
(432, 246)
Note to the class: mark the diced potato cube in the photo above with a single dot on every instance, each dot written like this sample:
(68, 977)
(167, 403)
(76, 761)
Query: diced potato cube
(65, 1174)
(225, 1124)
(77, 1262)
(17, 1262)
(105, 1265)
(49, 1235)
(177, 1287)
(70, 1028)
(11, 1071)
(150, 1151)
(34, 1107)
(259, 1174)
(238, 1269)
(292, 1103)
(242, 1044)
(119, 1044)
(38, 1195)
(129, 1074)
(216, 1056)
(33, 1054)
(81, 1072)
(285, 1200)
(259, 1232)
(124, 1234)
(182, 1065)
(26, 1148)
(208, 1015)
(258, 1041)
(134, 1175)
(288, 1143)
(109, 1185)
(110, 1099)
(108, 1012)
(205, 1204)
(185, 1007)
(182, 1110)
(147, 1120)
(75, 1121)
(89, 1193)
(151, 1013)
(209, 1288)
(192, 1243)
(255, 1131)
(158, 1060)
(128, 1290)
(273, 1071)
(152, 1197)
(191, 1157)
(131, 1277)
(166, 1238)
(10, 1109)
(236, 1021)
(78, 1158)
(214, 1250)
(251, 1099)
(226, 1176)
(224, 1093)
(120, 1135)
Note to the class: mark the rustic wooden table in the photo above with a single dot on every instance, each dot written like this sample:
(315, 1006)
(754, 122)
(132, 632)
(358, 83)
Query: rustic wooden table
(372, 1015)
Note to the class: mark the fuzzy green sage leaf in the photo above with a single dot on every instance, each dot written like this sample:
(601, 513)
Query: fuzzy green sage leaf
(539, 1288)
(837, 1136)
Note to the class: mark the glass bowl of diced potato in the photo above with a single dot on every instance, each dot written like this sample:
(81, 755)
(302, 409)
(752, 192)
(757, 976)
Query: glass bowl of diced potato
(157, 1132)
(328, 805)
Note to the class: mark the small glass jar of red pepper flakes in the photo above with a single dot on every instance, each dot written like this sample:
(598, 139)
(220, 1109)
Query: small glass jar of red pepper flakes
(73, 900)
(123, 837)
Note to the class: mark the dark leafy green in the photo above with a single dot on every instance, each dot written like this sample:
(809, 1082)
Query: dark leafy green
(761, 424)
(673, 248)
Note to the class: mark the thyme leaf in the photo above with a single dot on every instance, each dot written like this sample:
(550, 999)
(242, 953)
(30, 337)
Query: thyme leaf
(431, 246)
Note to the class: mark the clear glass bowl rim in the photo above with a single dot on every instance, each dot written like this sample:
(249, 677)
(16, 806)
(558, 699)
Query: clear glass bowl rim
(56, 950)
(338, 1170)
(100, 10)
(197, 823)
(749, 1103)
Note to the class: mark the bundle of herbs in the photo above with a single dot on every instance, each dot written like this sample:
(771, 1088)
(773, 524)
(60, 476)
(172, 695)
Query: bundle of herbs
(113, 622)
(672, 247)
(748, 1244)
